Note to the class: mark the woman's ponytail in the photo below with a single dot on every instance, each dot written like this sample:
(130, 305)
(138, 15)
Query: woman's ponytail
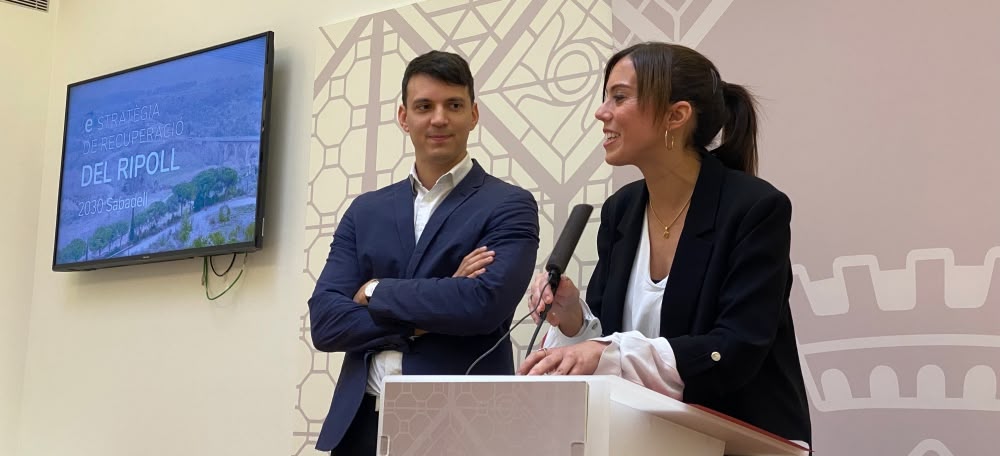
(738, 149)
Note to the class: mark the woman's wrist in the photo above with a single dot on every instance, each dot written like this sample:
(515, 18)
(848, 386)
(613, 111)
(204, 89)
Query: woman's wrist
(572, 325)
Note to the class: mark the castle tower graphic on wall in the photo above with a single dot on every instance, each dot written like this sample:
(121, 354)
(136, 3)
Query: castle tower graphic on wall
(906, 357)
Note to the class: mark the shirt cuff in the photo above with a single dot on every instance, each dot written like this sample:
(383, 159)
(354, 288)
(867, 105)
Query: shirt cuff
(649, 362)
(591, 328)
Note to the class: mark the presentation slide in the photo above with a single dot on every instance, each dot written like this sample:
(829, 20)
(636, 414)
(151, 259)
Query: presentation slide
(163, 158)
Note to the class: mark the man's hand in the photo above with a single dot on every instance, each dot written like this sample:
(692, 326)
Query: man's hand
(474, 264)
(360, 297)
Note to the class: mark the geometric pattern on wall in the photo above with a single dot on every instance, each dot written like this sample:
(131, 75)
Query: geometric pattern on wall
(538, 68)
(683, 22)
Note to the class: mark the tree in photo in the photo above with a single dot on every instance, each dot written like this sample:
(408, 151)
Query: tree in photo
(185, 232)
(217, 238)
(73, 251)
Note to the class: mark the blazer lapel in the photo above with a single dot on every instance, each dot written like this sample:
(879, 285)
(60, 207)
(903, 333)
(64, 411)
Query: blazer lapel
(402, 206)
(622, 257)
(458, 195)
(687, 273)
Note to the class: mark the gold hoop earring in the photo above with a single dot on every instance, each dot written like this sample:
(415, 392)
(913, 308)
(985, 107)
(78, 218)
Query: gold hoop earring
(669, 140)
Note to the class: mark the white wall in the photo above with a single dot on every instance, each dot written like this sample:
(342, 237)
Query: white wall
(135, 360)
(25, 48)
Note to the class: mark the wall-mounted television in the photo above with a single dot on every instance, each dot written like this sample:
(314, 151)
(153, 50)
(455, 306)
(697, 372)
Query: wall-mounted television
(166, 160)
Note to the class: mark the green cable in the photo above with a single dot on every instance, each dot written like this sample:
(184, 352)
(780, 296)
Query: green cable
(204, 278)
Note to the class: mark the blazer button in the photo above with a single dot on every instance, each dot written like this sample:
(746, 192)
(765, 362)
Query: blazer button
(716, 356)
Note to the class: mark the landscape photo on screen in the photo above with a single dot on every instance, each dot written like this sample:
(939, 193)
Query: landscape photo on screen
(163, 158)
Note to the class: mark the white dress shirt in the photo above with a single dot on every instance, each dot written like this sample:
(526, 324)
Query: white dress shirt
(425, 202)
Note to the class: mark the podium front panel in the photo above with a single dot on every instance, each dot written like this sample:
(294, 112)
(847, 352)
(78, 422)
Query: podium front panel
(506, 419)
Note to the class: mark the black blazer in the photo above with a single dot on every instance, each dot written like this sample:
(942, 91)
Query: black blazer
(725, 308)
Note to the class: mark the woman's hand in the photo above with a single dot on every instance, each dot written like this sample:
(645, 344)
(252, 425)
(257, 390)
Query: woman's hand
(565, 313)
(578, 359)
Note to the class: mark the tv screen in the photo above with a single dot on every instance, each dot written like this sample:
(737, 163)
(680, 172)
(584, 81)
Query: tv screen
(166, 160)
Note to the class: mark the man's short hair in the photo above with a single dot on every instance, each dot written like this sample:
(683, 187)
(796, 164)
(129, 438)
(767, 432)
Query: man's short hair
(443, 66)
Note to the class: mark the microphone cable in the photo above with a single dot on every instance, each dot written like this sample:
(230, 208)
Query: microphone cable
(553, 277)
(538, 302)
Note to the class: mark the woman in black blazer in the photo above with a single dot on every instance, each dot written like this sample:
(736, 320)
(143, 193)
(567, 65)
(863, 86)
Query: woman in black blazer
(693, 275)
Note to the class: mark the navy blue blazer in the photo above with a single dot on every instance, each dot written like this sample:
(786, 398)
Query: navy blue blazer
(727, 294)
(463, 317)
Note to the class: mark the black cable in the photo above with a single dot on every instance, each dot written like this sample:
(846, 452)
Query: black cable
(231, 263)
(538, 302)
(204, 276)
(552, 284)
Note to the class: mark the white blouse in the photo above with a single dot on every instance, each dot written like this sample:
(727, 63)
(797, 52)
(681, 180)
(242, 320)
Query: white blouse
(638, 354)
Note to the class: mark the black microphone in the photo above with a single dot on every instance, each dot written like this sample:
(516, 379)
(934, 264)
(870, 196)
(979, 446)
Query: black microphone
(561, 253)
(565, 246)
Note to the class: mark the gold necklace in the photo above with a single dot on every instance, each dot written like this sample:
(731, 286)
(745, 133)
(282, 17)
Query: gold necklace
(666, 227)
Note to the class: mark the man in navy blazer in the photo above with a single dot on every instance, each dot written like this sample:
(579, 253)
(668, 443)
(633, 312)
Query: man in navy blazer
(387, 297)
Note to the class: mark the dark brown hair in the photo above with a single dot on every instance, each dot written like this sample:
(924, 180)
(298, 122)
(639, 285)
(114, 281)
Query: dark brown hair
(668, 73)
(443, 66)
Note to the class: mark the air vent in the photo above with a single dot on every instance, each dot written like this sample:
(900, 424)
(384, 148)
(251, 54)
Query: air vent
(41, 5)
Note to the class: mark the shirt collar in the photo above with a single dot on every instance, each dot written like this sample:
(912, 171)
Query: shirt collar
(455, 174)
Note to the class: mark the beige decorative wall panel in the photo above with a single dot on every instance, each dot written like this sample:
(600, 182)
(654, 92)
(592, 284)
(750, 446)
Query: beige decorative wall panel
(538, 67)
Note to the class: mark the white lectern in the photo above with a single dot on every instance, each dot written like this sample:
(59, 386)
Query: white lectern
(556, 416)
